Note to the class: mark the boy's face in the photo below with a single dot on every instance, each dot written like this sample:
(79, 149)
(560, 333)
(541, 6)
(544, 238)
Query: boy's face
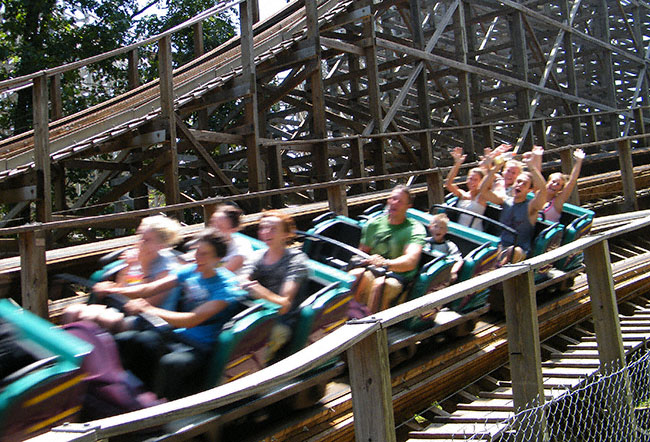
(438, 231)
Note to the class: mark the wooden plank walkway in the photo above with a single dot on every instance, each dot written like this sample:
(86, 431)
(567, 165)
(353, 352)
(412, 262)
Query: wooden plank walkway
(483, 417)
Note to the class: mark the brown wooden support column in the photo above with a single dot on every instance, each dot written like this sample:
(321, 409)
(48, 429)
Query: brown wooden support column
(605, 70)
(55, 94)
(523, 340)
(133, 74)
(320, 164)
(199, 49)
(58, 183)
(424, 108)
(42, 150)
(274, 162)
(358, 164)
(465, 105)
(372, 400)
(208, 210)
(603, 304)
(337, 198)
(374, 98)
(567, 162)
(140, 193)
(592, 128)
(435, 188)
(33, 272)
(256, 179)
(572, 81)
(540, 133)
(640, 126)
(172, 190)
(627, 175)
(520, 70)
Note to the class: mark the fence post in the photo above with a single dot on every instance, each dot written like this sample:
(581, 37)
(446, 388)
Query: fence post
(566, 160)
(372, 399)
(627, 175)
(523, 342)
(338, 202)
(33, 272)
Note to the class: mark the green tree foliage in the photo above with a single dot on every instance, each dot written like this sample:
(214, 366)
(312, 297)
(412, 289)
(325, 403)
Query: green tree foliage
(40, 34)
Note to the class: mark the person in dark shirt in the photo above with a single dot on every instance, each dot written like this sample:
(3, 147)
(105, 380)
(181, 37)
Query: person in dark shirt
(277, 273)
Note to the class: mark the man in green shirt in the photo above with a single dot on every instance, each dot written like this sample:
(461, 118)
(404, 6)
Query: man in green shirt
(395, 244)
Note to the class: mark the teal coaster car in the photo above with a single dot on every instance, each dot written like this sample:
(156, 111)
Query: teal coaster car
(49, 389)
(479, 250)
(577, 222)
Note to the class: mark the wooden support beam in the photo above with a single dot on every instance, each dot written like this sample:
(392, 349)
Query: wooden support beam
(337, 198)
(274, 162)
(523, 341)
(42, 149)
(205, 155)
(133, 58)
(58, 183)
(592, 128)
(627, 175)
(55, 94)
(465, 105)
(370, 55)
(520, 70)
(320, 166)
(358, 165)
(572, 81)
(435, 188)
(603, 305)
(421, 83)
(199, 50)
(640, 126)
(372, 401)
(605, 67)
(256, 179)
(33, 272)
(540, 134)
(172, 190)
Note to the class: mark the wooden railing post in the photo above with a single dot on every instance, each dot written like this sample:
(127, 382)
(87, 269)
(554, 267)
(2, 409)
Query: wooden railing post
(640, 125)
(523, 340)
(338, 201)
(33, 272)
(603, 304)
(592, 128)
(256, 178)
(358, 164)
(372, 400)
(566, 160)
(42, 150)
(627, 175)
(56, 100)
(435, 190)
(172, 190)
(208, 210)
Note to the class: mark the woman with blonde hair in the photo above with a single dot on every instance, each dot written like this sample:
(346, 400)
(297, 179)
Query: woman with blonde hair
(559, 188)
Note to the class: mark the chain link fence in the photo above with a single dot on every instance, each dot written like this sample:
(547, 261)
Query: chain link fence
(611, 405)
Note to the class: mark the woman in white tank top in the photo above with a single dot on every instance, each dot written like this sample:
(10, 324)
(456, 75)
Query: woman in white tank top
(471, 199)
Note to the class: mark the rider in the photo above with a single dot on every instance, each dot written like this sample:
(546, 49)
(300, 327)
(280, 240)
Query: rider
(395, 244)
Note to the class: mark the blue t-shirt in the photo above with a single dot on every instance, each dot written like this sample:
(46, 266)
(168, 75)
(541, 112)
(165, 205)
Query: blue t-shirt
(197, 290)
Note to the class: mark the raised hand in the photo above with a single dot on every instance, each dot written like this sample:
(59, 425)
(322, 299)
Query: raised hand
(457, 155)
(579, 154)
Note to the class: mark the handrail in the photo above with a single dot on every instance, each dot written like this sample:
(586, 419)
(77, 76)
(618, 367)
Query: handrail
(218, 8)
(331, 345)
